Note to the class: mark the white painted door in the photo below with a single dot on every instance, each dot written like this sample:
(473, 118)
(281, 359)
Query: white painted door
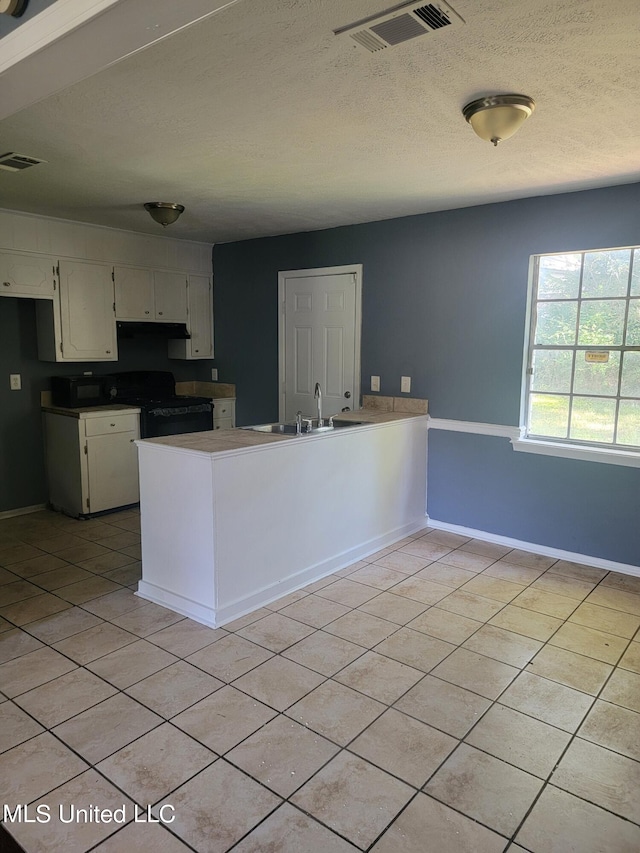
(170, 296)
(87, 317)
(26, 275)
(200, 316)
(320, 340)
(134, 293)
(112, 462)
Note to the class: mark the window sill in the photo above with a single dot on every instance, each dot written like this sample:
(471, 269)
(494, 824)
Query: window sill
(611, 456)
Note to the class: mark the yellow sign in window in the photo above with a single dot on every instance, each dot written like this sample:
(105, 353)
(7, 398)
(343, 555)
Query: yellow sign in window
(596, 356)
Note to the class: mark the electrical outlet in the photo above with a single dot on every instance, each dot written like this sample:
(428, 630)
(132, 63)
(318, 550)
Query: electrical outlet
(375, 383)
(214, 374)
(15, 381)
(405, 384)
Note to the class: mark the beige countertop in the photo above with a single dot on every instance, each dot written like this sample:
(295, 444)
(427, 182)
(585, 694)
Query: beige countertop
(91, 411)
(219, 441)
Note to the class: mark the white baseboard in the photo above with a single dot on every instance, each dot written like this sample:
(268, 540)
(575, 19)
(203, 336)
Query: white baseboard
(585, 559)
(193, 609)
(216, 617)
(25, 510)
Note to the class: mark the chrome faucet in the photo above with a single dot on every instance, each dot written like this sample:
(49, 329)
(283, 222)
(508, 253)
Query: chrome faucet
(318, 395)
(298, 423)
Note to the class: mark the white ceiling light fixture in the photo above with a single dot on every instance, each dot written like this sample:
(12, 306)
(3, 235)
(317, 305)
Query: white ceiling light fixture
(164, 212)
(15, 8)
(497, 117)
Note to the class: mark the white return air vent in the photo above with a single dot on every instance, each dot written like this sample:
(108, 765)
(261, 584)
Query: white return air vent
(18, 162)
(399, 24)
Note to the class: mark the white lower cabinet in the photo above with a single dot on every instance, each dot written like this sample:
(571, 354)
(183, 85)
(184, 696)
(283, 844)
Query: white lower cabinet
(91, 459)
(224, 413)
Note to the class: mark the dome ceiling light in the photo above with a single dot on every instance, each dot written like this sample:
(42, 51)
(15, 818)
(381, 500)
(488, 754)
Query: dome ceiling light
(15, 8)
(164, 212)
(498, 117)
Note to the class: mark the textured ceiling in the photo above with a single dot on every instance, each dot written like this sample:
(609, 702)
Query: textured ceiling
(261, 121)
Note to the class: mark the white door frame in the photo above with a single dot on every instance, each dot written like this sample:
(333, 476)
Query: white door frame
(356, 270)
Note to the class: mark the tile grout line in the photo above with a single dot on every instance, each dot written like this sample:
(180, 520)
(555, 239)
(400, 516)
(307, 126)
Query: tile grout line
(365, 650)
(574, 735)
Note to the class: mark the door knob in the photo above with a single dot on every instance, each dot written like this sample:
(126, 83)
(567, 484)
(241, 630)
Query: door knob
(347, 394)
(346, 409)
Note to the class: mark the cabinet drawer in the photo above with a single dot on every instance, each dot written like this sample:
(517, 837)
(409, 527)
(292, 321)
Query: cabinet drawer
(223, 423)
(111, 423)
(222, 409)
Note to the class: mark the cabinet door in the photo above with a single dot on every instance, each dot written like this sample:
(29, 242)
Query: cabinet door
(112, 462)
(224, 408)
(170, 296)
(26, 275)
(87, 320)
(200, 316)
(134, 294)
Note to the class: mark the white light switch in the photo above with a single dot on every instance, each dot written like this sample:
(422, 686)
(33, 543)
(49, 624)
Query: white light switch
(214, 374)
(405, 384)
(15, 381)
(375, 383)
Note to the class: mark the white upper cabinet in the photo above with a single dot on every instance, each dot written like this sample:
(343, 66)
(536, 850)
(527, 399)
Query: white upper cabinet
(199, 321)
(86, 312)
(200, 307)
(134, 293)
(151, 295)
(171, 296)
(80, 324)
(84, 277)
(27, 275)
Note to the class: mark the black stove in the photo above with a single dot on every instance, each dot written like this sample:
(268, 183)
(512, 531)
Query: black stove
(164, 402)
(162, 411)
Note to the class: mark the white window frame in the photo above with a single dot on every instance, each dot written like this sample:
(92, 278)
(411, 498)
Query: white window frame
(567, 448)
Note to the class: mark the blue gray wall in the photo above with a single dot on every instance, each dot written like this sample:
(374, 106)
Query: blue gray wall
(444, 299)
(22, 474)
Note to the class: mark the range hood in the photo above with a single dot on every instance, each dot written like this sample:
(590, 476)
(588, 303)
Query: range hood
(138, 329)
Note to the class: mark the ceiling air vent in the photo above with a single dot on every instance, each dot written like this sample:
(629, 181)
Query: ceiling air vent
(18, 162)
(399, 24)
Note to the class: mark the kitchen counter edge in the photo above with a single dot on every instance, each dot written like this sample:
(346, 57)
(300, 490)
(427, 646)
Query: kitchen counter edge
(239, 440)
(91, 411)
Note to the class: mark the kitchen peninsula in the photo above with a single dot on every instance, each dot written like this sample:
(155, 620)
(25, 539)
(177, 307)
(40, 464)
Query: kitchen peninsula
(235, 519)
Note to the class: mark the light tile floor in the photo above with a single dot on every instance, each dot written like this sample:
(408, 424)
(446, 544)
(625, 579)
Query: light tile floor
(444, 695)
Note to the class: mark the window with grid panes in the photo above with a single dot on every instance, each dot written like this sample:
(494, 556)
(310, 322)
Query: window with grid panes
(583, 369)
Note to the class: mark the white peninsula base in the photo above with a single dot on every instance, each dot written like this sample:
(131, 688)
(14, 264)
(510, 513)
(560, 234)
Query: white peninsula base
(227, 529)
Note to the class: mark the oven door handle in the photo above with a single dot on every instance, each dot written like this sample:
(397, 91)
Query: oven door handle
(180, 410)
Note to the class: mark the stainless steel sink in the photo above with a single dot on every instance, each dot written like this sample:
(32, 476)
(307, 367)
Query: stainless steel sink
(290, 429)
(278, 429)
